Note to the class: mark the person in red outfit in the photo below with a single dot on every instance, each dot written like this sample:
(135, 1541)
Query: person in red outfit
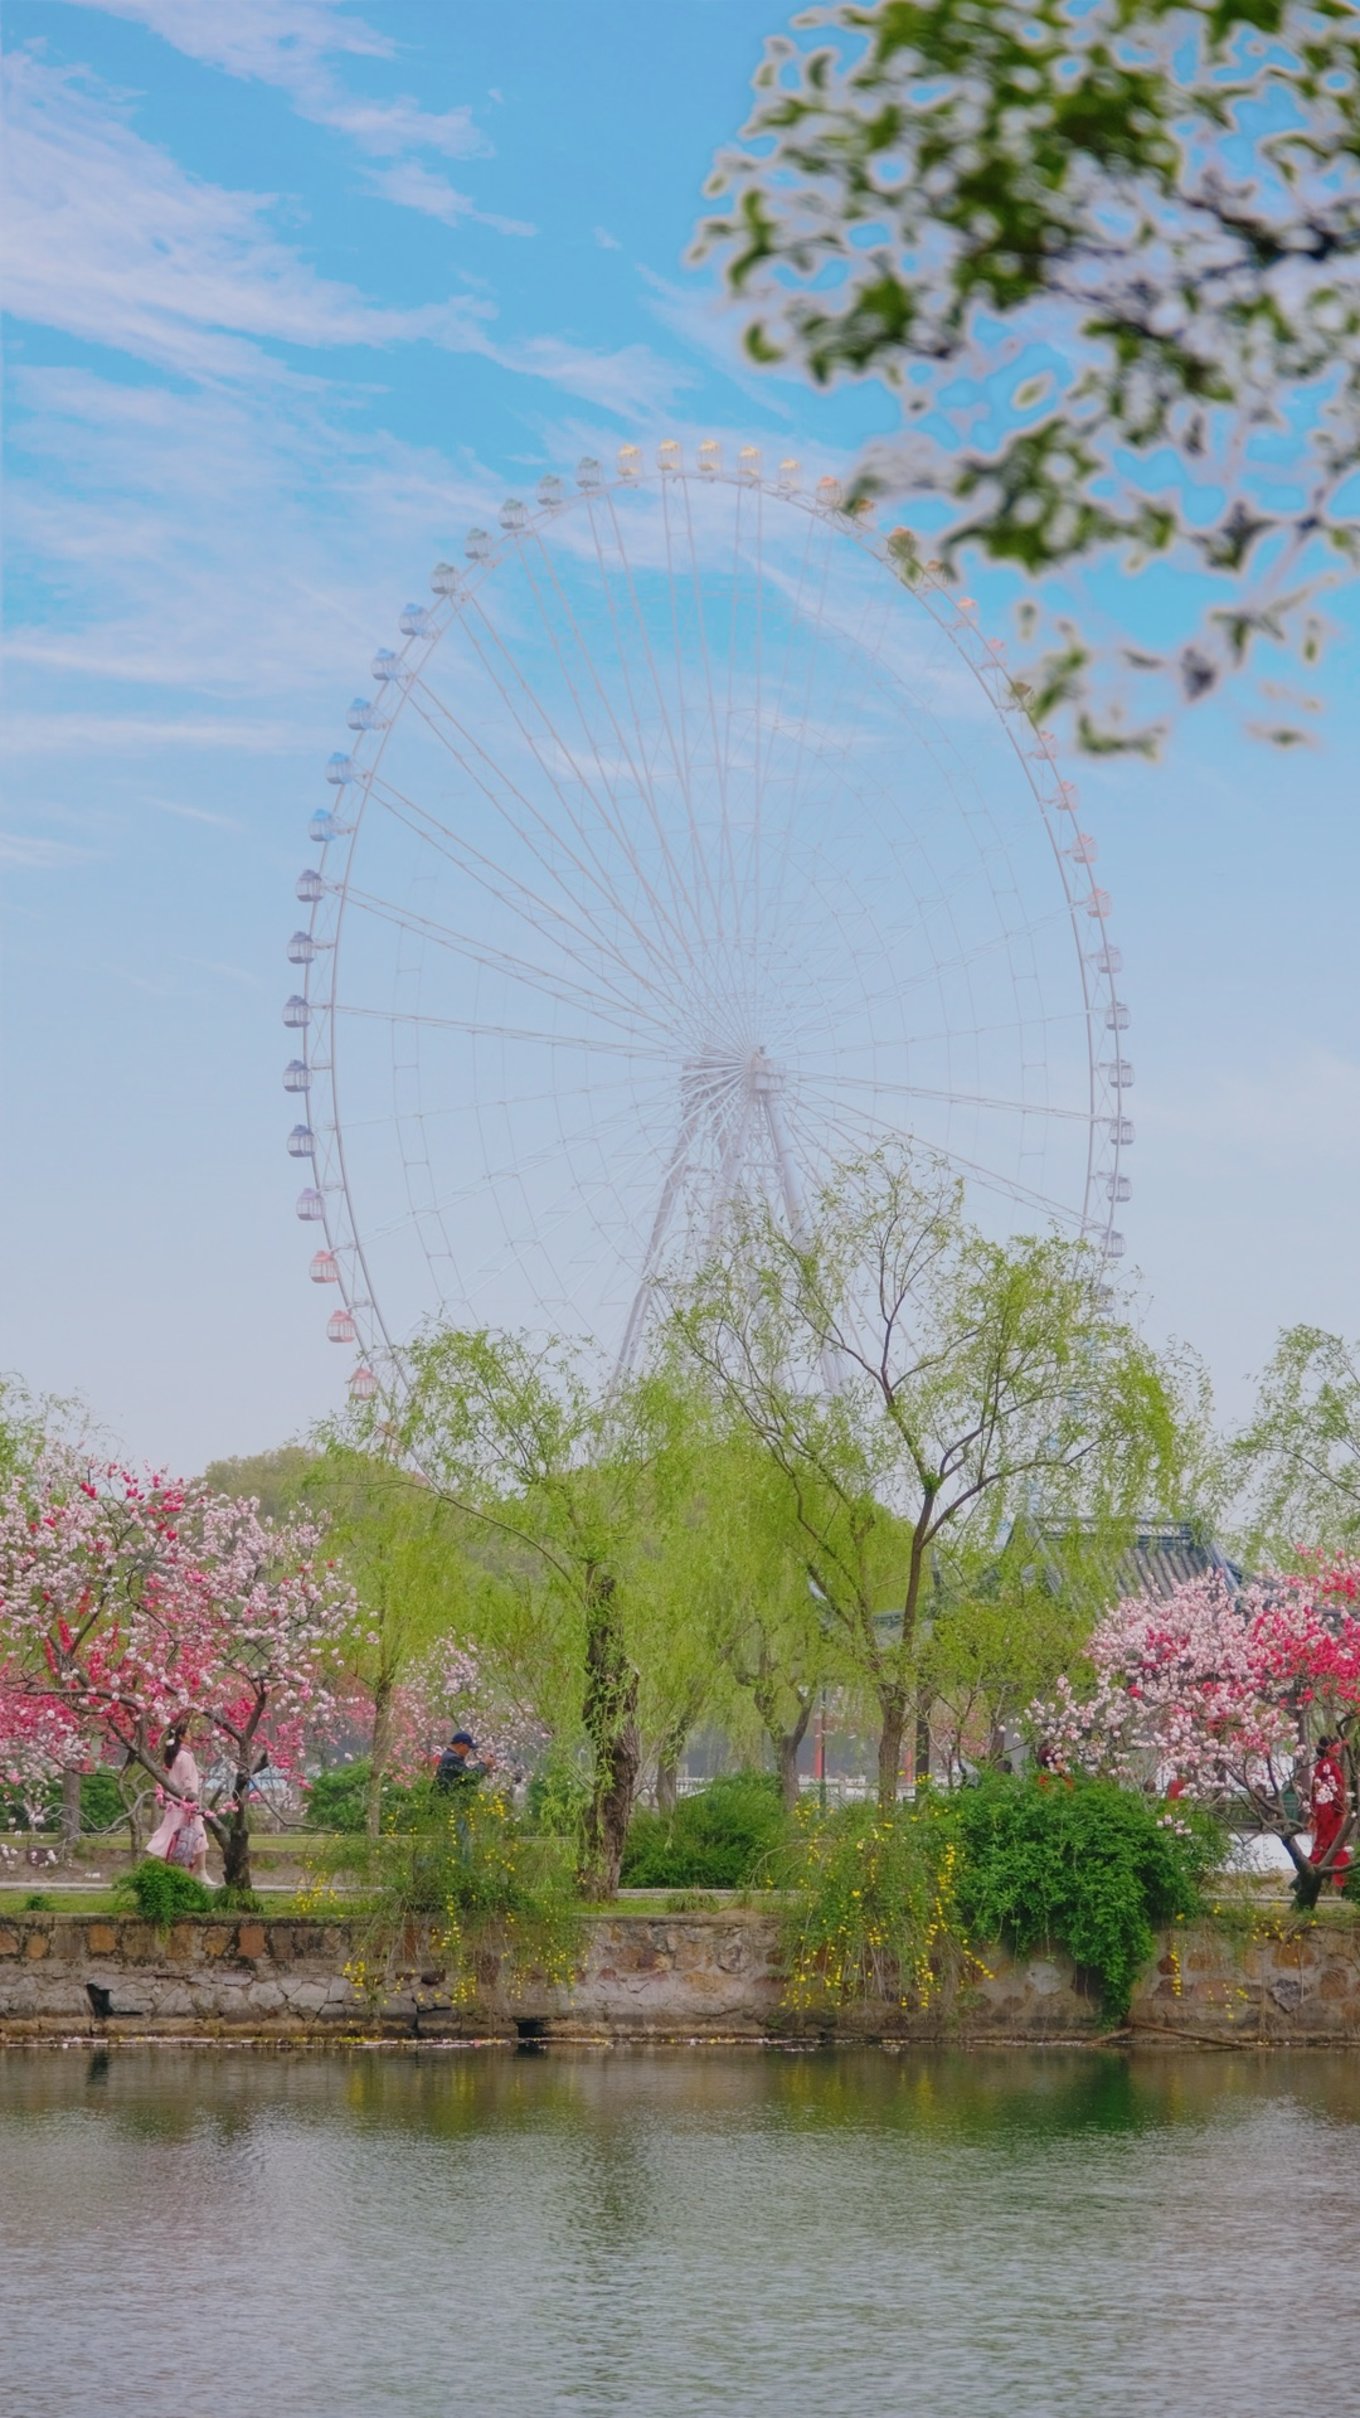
(1329, 1807)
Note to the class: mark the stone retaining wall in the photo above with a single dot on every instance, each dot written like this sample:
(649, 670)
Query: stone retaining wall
(702, 1976)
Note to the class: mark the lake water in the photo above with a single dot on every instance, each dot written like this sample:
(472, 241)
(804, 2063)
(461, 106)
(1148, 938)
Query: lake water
(220, 2234)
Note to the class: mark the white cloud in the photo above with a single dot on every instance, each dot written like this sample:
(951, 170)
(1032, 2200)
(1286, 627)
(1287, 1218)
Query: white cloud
(195, 814)
(292, 45)
(65, 734)
(606, 241)
(414, 187)
(38, 855)
(276, 41)
(632, 381)
(107, 238)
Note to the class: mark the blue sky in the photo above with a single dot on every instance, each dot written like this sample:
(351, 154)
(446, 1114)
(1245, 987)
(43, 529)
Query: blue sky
(297, 291)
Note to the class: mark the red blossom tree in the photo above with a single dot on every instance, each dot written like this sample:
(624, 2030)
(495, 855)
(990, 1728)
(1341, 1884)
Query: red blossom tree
(130, 1604)
(1215, 1692)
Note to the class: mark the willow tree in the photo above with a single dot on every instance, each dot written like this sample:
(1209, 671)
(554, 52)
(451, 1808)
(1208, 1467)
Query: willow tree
(573, 1489)
(1298, 1458)
(405, 1554)
(916, 1387)
(1106, 259)
(753, 1612)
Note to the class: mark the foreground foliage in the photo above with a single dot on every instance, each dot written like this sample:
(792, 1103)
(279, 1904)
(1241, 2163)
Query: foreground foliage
(1105, 257)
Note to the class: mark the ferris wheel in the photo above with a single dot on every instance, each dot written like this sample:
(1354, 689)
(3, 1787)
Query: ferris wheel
(690, 843)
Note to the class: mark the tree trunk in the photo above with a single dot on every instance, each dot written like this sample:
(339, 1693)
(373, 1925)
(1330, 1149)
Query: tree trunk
(610, 1712)
(381, 1749)
(70, 1811)
(786, 1744)
(924, 1708)
(893, 1713)
(235, 1839)
(1307, 1887)
(667, 1782)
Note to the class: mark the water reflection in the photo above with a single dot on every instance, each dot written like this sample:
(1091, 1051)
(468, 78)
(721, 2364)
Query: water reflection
(624, 2231)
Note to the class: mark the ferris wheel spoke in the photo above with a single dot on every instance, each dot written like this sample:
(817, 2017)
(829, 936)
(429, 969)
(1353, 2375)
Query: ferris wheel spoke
(595, 874)
(682, 907)
(711, 973)
(543, 1039)
(958, 1099)
(523, 1163)
(991, 1178)
(506, 888)
(702, 878)
(613, 1008)
(1001, 943)
(535, 704)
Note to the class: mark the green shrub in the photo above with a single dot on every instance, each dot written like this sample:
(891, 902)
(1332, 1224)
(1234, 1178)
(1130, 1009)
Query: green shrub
(338, 1799)
(732, 1835)
(161, 1891)
(231, 1898)
(38, 1902)
(1085, 1866)
(101, 1801)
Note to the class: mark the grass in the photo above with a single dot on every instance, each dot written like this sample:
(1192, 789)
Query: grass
(286, 1905)
(282, 1905)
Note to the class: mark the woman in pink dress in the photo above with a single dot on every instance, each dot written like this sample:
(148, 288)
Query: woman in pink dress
(179, 1836)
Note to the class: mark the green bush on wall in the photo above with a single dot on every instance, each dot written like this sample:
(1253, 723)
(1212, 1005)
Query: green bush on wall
(1081, 1865)
(732, 1835)
(891, 1904)
(338, 1799)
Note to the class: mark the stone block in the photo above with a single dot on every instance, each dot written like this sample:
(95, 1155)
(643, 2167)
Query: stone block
(251, 1942)
(102, 1939)
(307, 1997)
(36, 1945)
(9, 1940)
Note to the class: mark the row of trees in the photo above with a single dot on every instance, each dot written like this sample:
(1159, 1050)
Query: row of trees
(892, 1458)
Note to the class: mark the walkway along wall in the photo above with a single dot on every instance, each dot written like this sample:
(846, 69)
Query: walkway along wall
(683, 1977)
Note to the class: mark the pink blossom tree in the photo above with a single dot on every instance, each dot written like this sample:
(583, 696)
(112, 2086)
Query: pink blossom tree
(41, 1745)
(1214, 1693)
(448, 1688)
(130, 1604)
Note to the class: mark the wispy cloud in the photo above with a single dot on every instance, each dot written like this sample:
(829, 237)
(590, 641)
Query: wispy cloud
(632, 380)
(37, 854)
(107, 238)
(296, 46)
(194, 814)
(415, 187)
(62, 734)
(240, 974)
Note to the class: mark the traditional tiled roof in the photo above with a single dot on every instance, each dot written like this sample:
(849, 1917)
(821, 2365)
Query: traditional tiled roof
(1162, 1559)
